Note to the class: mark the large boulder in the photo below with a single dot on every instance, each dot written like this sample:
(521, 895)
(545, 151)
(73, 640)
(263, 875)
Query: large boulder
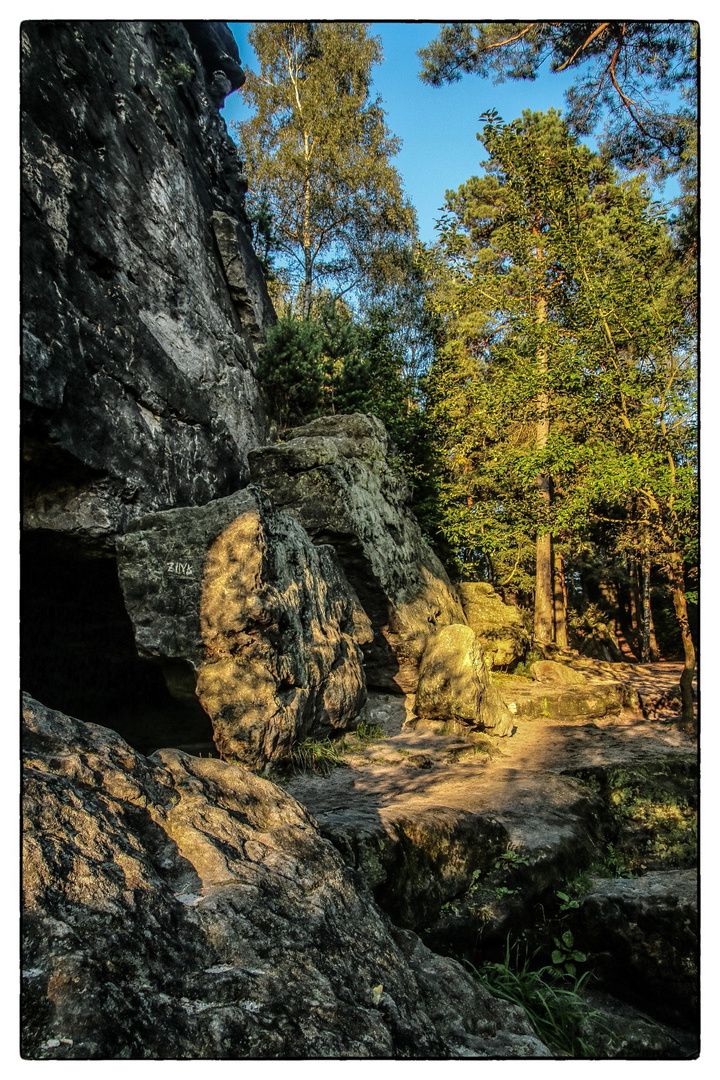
(143, 303)
(454, 684)
(235, 595)
(184, 908)
(499, 626)
(334, 476)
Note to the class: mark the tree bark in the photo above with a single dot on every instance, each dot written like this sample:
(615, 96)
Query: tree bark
(636, 616)
(646, 611)
(677, 581)
(560, 597)
(307, 241)
(654, 650)
(544, 622)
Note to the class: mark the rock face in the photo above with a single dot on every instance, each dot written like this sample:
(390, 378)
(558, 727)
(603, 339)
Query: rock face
(235, 592)
(454, 685)
(498, 625)
(139, 353)
(642, 938)
(200, 906)
(334, 476)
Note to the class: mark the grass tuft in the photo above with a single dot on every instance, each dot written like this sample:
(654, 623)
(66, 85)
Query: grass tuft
(321, 756)
(553, 1001)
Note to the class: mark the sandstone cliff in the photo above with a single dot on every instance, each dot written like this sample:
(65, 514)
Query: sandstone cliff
(139, 355)
(143, 310)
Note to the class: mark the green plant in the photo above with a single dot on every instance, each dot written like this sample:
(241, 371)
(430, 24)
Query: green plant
(552, 1000)
(511, 857)
(367, 733)
(318, 756)
(615, 862)
(179, 72)
(565, 955)
(453, 906)
(567, 903)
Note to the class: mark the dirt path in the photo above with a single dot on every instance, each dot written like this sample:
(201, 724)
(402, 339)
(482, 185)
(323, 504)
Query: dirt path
(523, 780)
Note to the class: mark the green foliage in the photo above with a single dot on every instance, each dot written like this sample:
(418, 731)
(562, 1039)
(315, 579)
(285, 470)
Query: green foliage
(659, 821)
(323, 755)
(654, 811)
(177, 72)
(335, 362)
(366, 733)
(317, 756)
(317, 153)
(552, 1000)
(565, 955)
(510, 857)
(614, 863)
(567, 902)
(291, 372)
(568, 354)
(629, 75)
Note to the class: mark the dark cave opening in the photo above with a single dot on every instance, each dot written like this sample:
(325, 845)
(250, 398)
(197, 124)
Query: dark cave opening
(78, 651)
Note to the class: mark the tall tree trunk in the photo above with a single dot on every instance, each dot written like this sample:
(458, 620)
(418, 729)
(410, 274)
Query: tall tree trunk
(544, 596)
(646, 611)
(307, 243)
(654, 650)
(635, 593)
(677, 582)
(561, 637)
(544, 622)
(650, 651)
(307, 285)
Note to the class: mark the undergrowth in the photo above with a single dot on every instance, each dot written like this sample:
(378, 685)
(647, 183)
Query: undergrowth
(323, 755)
(319, 756)
(552, 999)
(655, 812)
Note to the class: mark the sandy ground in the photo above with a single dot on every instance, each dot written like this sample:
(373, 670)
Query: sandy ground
(411, 770)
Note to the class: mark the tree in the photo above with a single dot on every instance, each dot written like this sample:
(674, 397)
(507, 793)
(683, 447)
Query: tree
(318, 152)
(508, 291)
(638, 469)
(639, 78)
(567, 367)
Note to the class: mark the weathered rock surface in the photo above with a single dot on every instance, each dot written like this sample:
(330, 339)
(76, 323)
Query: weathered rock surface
(139, 354)
(641, 935)
(333, 474)
(499, 626)
(464, 837)
(236, 592)
(453, 682)
(179, 907)
(550, 671)
(570, 703)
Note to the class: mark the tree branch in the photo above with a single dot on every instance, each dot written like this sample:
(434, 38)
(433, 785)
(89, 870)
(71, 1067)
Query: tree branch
(598, 30)
(510, 40)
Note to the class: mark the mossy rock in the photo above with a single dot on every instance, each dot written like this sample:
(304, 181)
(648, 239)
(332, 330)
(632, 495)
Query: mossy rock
(652, 808)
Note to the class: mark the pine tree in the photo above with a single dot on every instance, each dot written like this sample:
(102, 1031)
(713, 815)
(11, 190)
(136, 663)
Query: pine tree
(507, 288)
(567, 368)
(629, 76)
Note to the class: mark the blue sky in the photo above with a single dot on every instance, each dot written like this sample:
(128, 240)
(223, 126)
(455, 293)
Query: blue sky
(437, 125)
